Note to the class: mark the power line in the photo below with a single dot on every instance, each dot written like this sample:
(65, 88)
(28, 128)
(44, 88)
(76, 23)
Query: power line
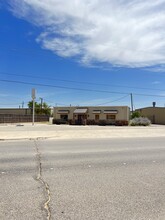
(82, 82)
(11, 104)
(60, 87)
(150, 95)
(60, 104)
(78, 89)
(114, 100)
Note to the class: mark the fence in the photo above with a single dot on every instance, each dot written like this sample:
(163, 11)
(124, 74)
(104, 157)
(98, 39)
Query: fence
(6, 118)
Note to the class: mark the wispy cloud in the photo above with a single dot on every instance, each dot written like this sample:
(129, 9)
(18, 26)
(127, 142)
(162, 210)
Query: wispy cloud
(155, 82)
(4, 95)
(160, 68)
(121, 33)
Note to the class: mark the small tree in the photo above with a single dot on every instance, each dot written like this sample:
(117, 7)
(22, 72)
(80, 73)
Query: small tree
(40, 110)
(46, 109)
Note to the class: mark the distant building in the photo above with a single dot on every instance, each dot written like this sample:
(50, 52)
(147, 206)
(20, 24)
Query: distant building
(115, 115)
(155, 114)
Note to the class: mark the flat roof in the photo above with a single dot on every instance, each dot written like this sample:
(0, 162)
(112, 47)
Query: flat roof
(95, 106)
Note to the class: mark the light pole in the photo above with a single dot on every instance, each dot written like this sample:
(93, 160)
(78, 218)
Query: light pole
(131, 102)
(33, 98)
(41, 103)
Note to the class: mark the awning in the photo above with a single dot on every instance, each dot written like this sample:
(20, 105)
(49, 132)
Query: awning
(96, 111)
(110, 111)
(63, 112)
(80, 111)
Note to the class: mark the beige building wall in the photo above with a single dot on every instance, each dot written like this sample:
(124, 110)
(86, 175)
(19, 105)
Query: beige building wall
(15, 111)
(120, 112)
(155, 114)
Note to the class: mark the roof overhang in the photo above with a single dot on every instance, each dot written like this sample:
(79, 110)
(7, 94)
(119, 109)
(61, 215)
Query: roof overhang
(80, 111)
(96, 111)
(110, 111)
(63, 112)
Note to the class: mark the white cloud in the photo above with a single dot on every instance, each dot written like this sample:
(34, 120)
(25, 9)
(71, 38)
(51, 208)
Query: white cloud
(129, 33)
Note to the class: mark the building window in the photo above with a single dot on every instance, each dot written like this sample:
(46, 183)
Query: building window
(111, 117)
(64, 117)
(97, 117)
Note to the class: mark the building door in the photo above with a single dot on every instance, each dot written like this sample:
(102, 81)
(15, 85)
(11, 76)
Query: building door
(97, 117)
(64, 117)
(81, 119)
(111, 118)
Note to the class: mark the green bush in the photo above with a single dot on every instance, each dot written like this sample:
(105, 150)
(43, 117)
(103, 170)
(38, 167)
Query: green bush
(59, 121)
(135, 115)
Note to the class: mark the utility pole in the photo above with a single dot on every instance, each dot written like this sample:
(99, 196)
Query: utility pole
(33, 98)
(22, 104)
(131, 102)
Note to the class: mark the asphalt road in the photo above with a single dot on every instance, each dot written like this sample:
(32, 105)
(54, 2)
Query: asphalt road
(96, 179)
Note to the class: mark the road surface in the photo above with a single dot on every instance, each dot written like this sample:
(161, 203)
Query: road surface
(80, 179)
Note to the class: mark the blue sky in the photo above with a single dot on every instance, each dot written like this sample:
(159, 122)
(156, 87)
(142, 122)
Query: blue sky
(82, 53)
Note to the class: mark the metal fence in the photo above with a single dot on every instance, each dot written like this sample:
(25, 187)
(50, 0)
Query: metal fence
(6, 118)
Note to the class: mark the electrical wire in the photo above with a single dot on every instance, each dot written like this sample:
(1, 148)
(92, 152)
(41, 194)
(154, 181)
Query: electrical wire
(60, 87)
(82, 82)
(114, 100)
(78, 89)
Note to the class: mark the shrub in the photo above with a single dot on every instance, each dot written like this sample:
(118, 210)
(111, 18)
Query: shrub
(106, 122)
(102, 122)
(59, 121)
(135, 115)
(121, 123)
(91, 122)
(141, 121)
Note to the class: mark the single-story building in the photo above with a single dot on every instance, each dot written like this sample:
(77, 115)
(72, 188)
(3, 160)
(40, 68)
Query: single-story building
(115, 115)
(155, 114)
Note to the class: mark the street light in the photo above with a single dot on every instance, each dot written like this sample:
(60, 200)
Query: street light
(33, 98)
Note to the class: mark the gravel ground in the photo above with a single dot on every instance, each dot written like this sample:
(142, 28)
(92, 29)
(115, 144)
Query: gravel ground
(27, 131)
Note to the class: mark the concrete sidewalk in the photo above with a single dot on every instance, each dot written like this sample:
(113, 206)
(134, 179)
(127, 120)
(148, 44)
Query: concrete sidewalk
(27, 131)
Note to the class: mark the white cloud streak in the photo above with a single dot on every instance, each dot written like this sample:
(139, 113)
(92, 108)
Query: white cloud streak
(122, 33)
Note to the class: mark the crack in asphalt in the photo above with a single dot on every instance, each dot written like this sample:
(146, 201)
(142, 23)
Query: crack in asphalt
(43, 182)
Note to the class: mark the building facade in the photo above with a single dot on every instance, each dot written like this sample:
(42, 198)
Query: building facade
(155, 114)
(92, 115)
